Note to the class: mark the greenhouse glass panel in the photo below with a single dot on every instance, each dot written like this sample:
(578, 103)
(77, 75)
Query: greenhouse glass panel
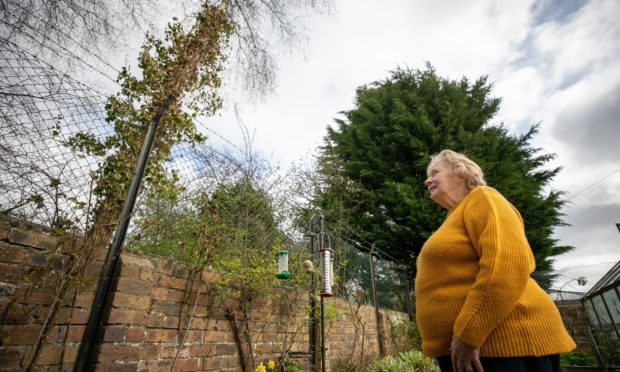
(591, 314)
(601, 311)
(613, 303)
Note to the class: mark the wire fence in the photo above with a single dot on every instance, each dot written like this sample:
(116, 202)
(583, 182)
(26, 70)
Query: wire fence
(355, 270)
(46, 181)
(41, 180)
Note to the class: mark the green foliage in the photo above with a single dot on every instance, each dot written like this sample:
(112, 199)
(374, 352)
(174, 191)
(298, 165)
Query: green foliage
(373, 163)
(411, 361)
(405, 336)
(184, 67)
(180, 231)
(578, 358)
(290, 365)
(250, 240)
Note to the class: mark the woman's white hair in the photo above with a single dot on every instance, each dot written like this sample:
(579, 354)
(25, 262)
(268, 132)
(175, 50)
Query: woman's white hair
(461, 166)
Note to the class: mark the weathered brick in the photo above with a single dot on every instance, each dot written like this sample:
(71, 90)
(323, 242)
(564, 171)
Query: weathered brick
(135, 334)
(38, 260)
(269, 336)
(40, 296)
(22, 335)
(12, 253)
(165, 267)
(155, 320)
(171, 322)
(126, 300)
(147, 274)
(20, 314)
(175, 295)
(130, 271)
(155, 365)
(201, 311)
(166, 307)
(33, 239)
(149, 351)
(200, 323)
(71, 352)
(225, 349)
(181, 271)
(214, 336)
(117, 367)
(214, 363)
(171, 352)
(231, 361)
(11, 272)
(109, 352)
(75, 333)
(5, 228)
(223, 325)
(93, 270)
(160, 335)
(202, 350)
(115, 333)
(84, 299)
(262, 348)
(177, 283)
(129, 260)
(194, 335)
(125, 316)
(209, 276)
(133, 286)
(50, 354)
(56, 334)
(76, 315)
(159, 293)
(11, 357)
(187, 365)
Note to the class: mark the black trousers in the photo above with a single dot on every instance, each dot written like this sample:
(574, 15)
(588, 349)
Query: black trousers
(547, 363)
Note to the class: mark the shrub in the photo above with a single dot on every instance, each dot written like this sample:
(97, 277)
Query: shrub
(411, 361)
(578, 358)
(405, 336)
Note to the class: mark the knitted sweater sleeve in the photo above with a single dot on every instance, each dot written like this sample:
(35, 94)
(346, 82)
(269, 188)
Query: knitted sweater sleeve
(496, 231)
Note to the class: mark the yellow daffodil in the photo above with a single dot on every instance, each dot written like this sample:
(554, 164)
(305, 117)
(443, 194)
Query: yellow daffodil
(271, 365)
(261, 368)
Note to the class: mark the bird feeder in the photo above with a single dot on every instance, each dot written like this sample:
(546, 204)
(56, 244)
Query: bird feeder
(327, 272)
(283, 272)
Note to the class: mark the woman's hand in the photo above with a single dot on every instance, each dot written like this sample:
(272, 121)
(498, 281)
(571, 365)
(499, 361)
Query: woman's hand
(465, 358)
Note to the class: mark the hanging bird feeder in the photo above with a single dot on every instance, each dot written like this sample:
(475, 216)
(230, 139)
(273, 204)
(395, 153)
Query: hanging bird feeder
(327, 272)
(283, 272)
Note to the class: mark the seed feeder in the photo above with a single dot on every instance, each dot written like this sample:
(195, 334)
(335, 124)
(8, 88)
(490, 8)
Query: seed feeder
(327, 272)
(283, 272)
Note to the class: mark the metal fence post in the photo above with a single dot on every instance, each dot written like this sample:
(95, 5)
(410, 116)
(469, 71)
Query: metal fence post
(375, 302)
(94, 325)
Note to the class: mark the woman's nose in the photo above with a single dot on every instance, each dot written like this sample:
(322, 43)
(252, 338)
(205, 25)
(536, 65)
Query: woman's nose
(428, 181)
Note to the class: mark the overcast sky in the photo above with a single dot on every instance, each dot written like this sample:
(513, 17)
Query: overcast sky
(554, 62)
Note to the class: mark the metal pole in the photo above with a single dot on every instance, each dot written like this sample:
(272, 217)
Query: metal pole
(95, 319)
(408, 282)
(312, 331)
(322, 306)
(374, 298)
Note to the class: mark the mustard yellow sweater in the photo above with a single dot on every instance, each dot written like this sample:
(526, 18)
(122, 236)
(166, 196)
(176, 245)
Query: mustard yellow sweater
(473, 281)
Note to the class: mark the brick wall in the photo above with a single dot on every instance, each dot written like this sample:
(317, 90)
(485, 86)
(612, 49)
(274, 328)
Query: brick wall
(576, 323)
(147, 322)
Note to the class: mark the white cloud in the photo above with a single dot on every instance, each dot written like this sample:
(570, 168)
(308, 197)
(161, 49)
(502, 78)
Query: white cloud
(549, 62)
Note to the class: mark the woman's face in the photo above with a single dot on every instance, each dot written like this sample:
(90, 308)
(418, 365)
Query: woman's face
(444, 186)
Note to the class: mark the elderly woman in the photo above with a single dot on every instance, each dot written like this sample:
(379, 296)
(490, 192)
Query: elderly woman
(477, 307)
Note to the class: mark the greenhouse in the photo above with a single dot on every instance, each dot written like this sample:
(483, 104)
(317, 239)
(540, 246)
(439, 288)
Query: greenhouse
(602, 305)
